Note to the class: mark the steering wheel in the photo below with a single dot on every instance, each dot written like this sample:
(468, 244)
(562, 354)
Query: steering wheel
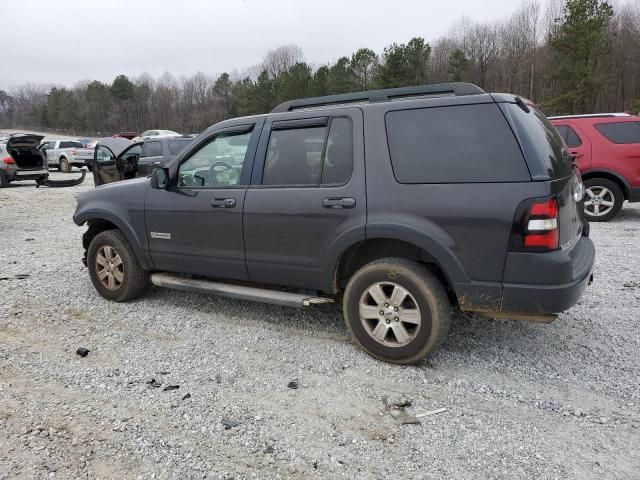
(218, 167)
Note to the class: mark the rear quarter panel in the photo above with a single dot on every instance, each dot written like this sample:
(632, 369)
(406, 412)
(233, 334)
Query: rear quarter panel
(464, 226)
(609, 156)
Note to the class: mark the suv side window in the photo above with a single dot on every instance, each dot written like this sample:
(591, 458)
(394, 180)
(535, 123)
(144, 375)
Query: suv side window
(569, 135)
(217, 164)
(457, 144)
(294, 156)
(338, 156)
(622, 133)
(151, 149)
(311, 155)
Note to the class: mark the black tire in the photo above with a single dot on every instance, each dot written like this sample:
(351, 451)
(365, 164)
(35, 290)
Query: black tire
(598, 184)
(426, 291)
(135, 279)
(4, 180)
(64, 165)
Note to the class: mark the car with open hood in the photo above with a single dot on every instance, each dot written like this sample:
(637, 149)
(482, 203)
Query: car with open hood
(117, 159)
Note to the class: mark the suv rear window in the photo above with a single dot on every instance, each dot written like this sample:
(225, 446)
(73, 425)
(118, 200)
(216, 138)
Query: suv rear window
(541, 143)
(457, 144)
(622, 133)
(176, 146)
(70, 145)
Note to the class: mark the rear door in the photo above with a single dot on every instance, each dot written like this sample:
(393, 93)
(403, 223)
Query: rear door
(151, 156)
(51, 153)
(307, 199)
(578, 143)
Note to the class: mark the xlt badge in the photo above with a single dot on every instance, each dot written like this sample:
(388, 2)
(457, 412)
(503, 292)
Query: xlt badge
(161, 236)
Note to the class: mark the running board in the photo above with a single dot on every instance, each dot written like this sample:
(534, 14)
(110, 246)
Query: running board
(276, 297)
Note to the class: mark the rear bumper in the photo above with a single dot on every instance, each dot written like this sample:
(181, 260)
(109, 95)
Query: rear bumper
(536, 286)
(560, 280)
(30, 174)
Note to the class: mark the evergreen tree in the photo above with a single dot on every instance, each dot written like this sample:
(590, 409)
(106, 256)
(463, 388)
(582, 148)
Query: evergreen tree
(580, 45)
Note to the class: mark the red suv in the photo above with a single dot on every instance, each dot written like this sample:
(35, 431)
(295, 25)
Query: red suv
(607, 151)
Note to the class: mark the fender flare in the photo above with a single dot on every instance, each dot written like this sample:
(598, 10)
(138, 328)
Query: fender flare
(595, 171)
(130, 234)
(425, 235)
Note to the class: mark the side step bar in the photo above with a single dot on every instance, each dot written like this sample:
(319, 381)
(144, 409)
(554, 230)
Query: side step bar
(276, 297)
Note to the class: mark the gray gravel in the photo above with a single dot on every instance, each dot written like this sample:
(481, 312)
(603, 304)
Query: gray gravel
(522, 400)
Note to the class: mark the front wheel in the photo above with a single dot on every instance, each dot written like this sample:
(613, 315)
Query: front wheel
(603, 199)
(396, 310)
(114, 269)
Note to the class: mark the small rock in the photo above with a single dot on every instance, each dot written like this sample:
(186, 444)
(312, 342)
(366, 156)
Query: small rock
(83, 352)
(168, 388)
(228, 423)
(293, 384)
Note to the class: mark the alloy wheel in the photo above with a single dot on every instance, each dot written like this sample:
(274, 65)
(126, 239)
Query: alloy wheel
(109, 267)
(390, 314)
(599, 201)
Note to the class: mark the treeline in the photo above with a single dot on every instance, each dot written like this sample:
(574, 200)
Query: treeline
(575, 56)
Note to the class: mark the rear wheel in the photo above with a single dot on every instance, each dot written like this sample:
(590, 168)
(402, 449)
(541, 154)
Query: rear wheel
(603, 199)
(4, 180)
(114, 270)
(396, 310)
(65, 166)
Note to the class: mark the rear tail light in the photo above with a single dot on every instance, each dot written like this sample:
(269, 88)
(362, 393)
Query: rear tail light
(8, 161)
(536, 226)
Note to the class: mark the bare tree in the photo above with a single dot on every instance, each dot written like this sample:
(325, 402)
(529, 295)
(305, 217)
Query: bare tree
(282, 59)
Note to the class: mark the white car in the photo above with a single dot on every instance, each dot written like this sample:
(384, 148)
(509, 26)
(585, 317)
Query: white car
(146, 135)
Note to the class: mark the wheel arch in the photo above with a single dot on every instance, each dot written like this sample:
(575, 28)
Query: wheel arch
(441, 263)
(609, 175)
(100, 221)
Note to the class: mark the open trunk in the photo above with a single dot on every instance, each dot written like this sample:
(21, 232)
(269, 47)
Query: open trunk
(24, 150)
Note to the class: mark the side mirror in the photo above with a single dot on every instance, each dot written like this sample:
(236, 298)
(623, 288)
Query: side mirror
(160, 178)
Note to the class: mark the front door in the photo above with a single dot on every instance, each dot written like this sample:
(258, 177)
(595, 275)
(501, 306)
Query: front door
(307, 199)
(105, 169)
(195, 226)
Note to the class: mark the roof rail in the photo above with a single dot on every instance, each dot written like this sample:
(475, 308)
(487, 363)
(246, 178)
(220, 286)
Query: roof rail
(590, 115)
(386, 95)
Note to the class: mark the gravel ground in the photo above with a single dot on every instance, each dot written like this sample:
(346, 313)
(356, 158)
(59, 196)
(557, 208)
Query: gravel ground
(523, 400)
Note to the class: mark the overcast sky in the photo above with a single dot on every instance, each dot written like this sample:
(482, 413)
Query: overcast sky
(66, 41)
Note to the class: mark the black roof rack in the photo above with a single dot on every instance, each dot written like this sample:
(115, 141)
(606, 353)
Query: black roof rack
(386, 95)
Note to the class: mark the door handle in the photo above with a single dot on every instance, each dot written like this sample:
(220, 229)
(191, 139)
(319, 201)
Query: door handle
(577, 154)
(223, 202)
(340, 202)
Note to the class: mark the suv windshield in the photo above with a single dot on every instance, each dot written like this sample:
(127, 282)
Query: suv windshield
(543, 147)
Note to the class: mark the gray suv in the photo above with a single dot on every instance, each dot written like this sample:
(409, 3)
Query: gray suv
(397, 204)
